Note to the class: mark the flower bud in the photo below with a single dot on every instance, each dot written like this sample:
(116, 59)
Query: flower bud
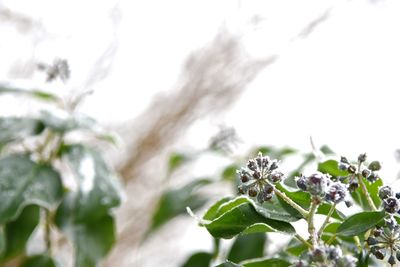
(380, 254)
(336, 193)
(274, 165)
(343, 166)
(385, 192)
(398, 255)
(373, 177)
(374, 166)
(351, 169)
(391, 260)
(391, 205)
(372, 241)
(317, 184)
(353, 186)
(365, 173)
(397, 195)
(253, 192)
(276, 177)
(301, 183)
(362, 157)
(344, 160)
(257, 175)
(252, 165)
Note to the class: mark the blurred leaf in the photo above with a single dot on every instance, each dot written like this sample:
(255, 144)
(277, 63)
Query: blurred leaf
(241, 216)
(24, 182)
(273, 152)
(65, 122)
(266, 262)
(363, 259)
(373, 189)
(17, 232)
(41, 260)
(229, 173)
(228, 264)
(92, 239)
(2, 242)
(199, 259)
(176, 160)
(360, 222)
(174, 202)
(247, 247)
(15, 129)
(99, 188)
(331, 167)
(296, 248)
(40, 95)
(326, 150)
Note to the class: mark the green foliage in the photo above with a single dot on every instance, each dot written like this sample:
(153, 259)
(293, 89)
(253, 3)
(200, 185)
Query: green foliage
(266, 262)
(360, 223)
(247, 247)
(199, 259)
(42, 260)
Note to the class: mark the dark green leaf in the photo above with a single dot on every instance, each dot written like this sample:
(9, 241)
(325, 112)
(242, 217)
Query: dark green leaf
(99, 189)
(199, 259)
(212, 212)
(176, 160)
(42, 260)
(15, 129)
(278, 210)
(266, 262)
(247, 247)
(65, 122)
(92, 239)
(17, 232)
(174, 202)
(331, 167)
(360, 222)
(24, 182)
(41, 95)
(228, 264)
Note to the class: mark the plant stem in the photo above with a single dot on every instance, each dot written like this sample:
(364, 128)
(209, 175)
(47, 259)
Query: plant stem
(326, 220)
(331, 239)
(302, 240)
(297, 207)
(364, 190)
(47, 230)
(358, 243)
(310, 221)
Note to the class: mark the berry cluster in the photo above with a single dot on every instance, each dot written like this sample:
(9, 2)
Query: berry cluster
(327, 256)
(385, 241)
(258, 177)
(368, 172)
(320, 185)
(391, 204)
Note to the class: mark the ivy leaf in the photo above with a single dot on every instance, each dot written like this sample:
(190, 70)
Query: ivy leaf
(92, 239)
(176, 160)
(41, 260)
(24, 182)
(247, 247)
(174, 202)
(99, 189)
(62, 122)
(278, 210)
(17, 232)
(237, 216)
(40, 95)
(15, 129)
(331, 167)
(360, 222)
(266, 262)
(296, 248)
(199, 259)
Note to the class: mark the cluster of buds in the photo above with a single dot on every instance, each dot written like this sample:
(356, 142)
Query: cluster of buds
(327, 256)
(320, 185)
(385, 241)
(390, 201)
(258, 177)
(368, 172)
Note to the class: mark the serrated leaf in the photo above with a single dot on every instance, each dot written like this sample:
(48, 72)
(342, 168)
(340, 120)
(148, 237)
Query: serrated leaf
(92, 239)
(24, 182)
(18, 231)
(331, 167)
(41, 260)
(174, 202)
(62, 122)
(266, 262)
(15, 129)
(247, 247)
(98, 186)
(199, 259)
(360, 222)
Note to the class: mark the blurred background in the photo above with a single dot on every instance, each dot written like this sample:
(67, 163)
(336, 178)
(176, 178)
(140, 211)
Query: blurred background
(169, 76)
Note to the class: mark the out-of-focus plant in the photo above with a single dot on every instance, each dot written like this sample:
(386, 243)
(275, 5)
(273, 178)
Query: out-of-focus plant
(54, 182)
(269, 201)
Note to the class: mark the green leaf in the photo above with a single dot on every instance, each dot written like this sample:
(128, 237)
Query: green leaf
(16, 129)
(247, 247)
(258, 228)
(228, 264)
(229, 173)
(241, 216)
(40, 95)
(296, 248)
(64, 122)
(266, 262)
(199, 259)
(17, 232)
(24, 182)
(92, 239)
(278, 209)
(174, 202)
(360, 222)
(331, 167)
(373, 189)
(99, 188)
(212, 212)
(176, 160)
(41, 260)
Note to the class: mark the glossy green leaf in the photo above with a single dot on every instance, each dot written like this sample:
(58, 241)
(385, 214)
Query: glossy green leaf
(331, 167)
(40, 95)
(15, 129)
(41, 260)
(258, 228)
(98, 187)
(228, 264)
(174, 202)
(92, 239)
(199, 259)
(24, 182)
(176, 160)
(18, 231)
(373, 189)
(239, 217)
(278, 210)
(266, 262)
(247, 247)
(212, 212)
(360, 222)
(64, 122)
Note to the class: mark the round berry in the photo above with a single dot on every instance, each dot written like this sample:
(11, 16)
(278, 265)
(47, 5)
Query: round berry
(385, 192)
(253, 192)
(391, 205)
